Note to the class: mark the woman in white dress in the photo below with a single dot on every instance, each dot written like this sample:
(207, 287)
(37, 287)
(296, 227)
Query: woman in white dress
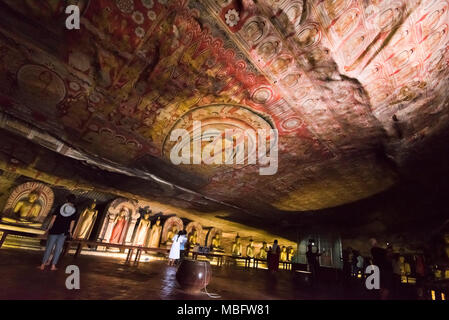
(175, 249)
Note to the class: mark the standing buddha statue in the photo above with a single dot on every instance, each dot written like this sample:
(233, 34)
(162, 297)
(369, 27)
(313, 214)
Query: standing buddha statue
(86, 222)
(250, 250)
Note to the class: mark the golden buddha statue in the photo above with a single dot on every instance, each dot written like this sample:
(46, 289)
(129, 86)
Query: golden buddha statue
(28, 209)
(290, 253)
(170, 234)
(86, 222)
(216, 243)
(155, 234)
(263, 251)
(193, 239)
(250, 250)
(284, 254)
(142, 230)
(236, 249)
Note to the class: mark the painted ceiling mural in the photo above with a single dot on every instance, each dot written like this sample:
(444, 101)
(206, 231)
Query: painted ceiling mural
(333, 76)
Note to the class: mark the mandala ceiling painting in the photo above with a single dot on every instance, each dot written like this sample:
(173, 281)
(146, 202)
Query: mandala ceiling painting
(333, 77)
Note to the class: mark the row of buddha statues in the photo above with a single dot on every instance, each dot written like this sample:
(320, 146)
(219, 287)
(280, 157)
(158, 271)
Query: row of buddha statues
(124, 222)
(286, 253)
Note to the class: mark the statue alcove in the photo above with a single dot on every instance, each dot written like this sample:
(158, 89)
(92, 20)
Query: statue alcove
(172, 225)
(119, 222)
(194, 228)
(29, 205)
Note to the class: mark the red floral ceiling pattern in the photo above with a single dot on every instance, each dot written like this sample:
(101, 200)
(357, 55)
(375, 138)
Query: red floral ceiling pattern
(328, 74)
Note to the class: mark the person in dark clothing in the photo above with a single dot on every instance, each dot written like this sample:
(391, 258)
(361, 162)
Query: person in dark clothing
(312, 259)
(273, 257)
(346, 264)
(61, 226)
(384, 263)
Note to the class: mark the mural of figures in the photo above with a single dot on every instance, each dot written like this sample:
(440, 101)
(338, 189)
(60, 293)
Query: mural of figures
(236, 249)
(155, 235)
(119, 222)
(86, 222)
(263, 251)
(213, 240)
(29, 204)
(171, 227)
(141, 236)
(194, 233)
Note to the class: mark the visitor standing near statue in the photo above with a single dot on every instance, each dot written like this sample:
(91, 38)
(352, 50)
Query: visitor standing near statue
(273, 257)
(61, 226)
(179, 241)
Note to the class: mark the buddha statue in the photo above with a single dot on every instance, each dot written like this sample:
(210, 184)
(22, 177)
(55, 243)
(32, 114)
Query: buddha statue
(216, 243)
(28, 209)
(284, 255)
(193, 239)
(170, 234)
(142, 230)
(155, 234)
(250, 250)
(263, 251)
(404, 266)
(236, 249)
(119, 225)
(290, 253)
(86, 222)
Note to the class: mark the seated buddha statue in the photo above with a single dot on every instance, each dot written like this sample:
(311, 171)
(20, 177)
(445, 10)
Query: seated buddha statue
(284, 254)
(193, 239)
(236, 249)
(216, 243)
(250, 250)
(28, 209)
(170, 234)
(263, 251)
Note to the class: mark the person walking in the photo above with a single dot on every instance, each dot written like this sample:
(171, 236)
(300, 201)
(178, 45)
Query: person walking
(61, 226)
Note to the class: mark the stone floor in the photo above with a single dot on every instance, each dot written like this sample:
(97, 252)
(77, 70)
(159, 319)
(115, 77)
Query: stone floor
(110, 278)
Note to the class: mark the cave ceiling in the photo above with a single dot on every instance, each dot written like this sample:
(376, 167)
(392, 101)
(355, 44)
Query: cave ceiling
(353, 87)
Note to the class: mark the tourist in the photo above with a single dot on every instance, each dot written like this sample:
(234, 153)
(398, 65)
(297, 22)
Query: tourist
(420, 269)
(312, 255)
(346, 264)
(61, 226)
(183, 243)
(175, 250)
(359, 263)
(382, 261)
(396, 265)
(273, 257)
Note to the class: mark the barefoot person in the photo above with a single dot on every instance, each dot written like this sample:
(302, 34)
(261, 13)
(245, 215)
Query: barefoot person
(61, 225)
